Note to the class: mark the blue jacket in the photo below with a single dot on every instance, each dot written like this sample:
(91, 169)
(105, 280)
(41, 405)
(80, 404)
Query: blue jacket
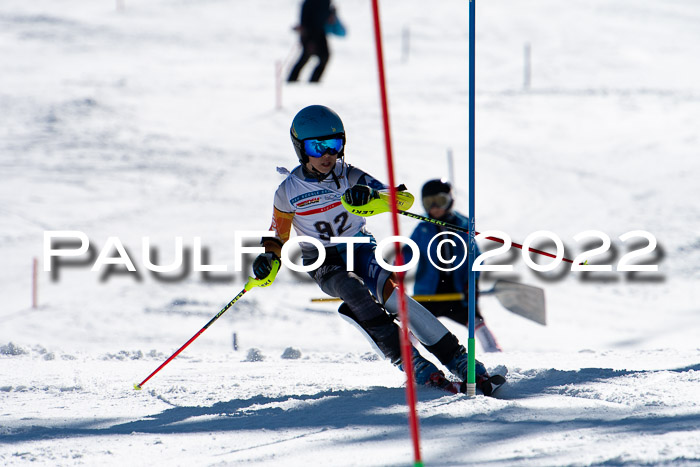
(427, 276)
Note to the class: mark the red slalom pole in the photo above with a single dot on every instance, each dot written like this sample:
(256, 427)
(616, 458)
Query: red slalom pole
(403, 314)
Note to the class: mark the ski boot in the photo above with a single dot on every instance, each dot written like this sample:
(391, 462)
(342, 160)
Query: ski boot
(423, 370)
(458, 365)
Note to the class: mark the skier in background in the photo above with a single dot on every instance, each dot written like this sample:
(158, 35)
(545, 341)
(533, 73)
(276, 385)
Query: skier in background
(317, 17)
(310, 200)
(431, 280)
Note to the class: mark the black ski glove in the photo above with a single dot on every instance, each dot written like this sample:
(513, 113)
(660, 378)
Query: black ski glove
(359, 195)
(262, 266)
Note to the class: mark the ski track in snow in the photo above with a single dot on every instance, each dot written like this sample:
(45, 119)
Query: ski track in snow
(159, 121)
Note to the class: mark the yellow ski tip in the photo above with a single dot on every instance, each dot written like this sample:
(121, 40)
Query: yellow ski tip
(137, 387)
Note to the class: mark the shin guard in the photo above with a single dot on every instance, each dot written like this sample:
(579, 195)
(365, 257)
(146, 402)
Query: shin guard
(423, 324)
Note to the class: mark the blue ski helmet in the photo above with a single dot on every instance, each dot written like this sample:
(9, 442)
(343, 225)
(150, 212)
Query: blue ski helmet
(315, 121)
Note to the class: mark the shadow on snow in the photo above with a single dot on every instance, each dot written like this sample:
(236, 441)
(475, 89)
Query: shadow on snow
(382, 409)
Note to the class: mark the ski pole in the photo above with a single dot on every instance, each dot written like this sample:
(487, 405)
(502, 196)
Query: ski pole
(523, 300)
(252, 282)
(405, 199)
(447, 225)
(443, 297)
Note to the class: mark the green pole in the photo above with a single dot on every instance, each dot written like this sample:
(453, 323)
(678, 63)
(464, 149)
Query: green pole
(471, 368)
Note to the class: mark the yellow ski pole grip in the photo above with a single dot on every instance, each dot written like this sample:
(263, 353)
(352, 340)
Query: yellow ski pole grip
(267, 281)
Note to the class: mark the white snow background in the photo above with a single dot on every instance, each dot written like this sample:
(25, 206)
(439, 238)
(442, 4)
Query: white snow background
(159, 120)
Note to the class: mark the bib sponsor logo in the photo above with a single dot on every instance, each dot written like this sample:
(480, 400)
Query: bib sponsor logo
(308, 202)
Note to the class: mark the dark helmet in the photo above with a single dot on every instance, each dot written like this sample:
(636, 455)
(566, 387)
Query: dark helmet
(437, 193)
(315, 121)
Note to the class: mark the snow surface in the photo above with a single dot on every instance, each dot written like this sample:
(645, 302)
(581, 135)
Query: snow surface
(158, 120)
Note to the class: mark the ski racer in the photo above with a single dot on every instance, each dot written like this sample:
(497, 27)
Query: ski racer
(443, 278)
(310, 200)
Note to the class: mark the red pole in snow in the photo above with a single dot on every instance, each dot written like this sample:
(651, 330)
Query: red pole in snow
(278, 85)
(35, 283)
(403, 314)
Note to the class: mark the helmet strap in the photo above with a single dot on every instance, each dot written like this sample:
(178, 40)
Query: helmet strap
(335, 178)
(320, 176)
(313, 173)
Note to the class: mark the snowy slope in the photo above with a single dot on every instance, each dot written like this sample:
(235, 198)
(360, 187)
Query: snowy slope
(159, 121)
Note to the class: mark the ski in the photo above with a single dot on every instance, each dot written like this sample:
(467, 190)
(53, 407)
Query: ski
(486, 386)
(489, 386)
(438, 380)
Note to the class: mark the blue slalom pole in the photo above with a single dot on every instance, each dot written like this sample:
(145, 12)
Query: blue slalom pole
(471, 346)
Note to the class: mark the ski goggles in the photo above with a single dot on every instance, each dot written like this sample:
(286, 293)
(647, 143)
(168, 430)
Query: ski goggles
(438, 200)
(319, 147)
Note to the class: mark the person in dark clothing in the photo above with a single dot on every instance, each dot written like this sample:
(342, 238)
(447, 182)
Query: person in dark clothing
(446, 279)
(315, 15)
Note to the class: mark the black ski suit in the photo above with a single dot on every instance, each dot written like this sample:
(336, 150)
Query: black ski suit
(314, 16)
